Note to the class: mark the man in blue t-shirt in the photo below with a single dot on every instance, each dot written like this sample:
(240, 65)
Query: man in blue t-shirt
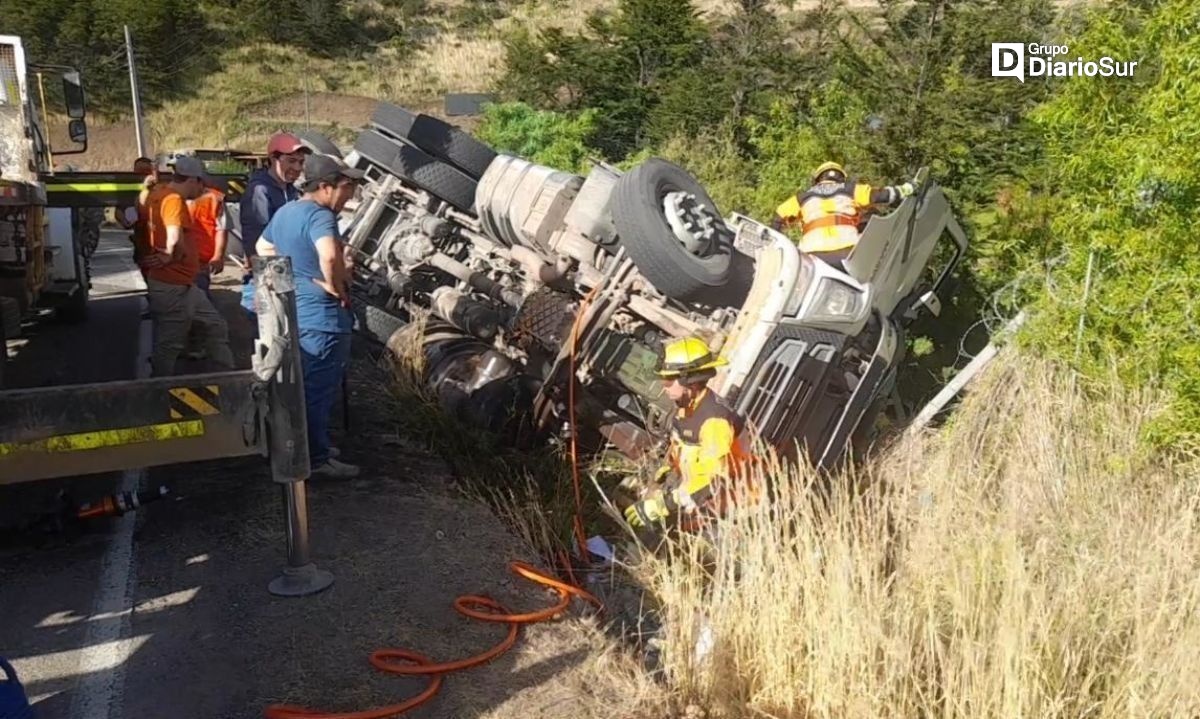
(306, 230)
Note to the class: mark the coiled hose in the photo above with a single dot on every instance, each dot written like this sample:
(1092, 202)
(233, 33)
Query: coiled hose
(409, 663)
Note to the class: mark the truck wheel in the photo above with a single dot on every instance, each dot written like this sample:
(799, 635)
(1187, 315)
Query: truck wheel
(318, 142)
(378, 324)
(6, 305)
(440, 139)
(672, 230)
(75, 309)
(431, 175)
(451, 144)
(393, 119)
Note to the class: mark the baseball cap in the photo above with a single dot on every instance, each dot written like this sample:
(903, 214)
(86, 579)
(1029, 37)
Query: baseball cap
(187, 166)
(285, 143)
(327, 168)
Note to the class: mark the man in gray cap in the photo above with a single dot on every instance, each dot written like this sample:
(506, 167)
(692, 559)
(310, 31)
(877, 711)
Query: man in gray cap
(306, 230)
(176, 303)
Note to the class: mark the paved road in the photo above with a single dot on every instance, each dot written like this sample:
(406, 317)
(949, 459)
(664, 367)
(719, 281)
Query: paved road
(43, 594)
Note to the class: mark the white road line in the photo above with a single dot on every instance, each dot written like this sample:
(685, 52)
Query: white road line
(101, 689)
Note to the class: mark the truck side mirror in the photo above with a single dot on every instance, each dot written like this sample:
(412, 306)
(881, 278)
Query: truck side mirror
(77, 129)
(73, 96)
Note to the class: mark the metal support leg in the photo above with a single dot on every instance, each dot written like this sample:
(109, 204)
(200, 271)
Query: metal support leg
(287, 429)
(301, 577)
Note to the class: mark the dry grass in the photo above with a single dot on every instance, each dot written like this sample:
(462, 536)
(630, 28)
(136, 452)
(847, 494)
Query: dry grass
(1027, 561)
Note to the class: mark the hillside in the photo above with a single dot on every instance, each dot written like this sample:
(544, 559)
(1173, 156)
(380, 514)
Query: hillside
(458, 47)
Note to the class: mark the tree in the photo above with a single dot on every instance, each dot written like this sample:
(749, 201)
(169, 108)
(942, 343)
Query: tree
(170, 36)
(622, 66)
(1123, 195)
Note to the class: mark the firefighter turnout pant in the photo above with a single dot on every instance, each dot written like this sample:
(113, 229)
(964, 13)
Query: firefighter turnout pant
(175, 310)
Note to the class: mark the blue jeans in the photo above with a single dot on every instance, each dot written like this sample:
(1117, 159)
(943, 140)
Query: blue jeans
(323, 360)
(248, 304)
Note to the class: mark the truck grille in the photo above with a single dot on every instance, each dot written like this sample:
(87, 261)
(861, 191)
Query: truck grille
(786, 397)
(778, 393)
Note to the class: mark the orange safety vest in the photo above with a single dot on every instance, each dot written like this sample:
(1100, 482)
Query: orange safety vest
(204, 222)
(828, 214)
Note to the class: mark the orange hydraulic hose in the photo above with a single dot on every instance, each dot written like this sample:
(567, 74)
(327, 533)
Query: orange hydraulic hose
(408, 663)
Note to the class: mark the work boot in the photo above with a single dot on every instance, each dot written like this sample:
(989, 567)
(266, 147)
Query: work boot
(334, 469)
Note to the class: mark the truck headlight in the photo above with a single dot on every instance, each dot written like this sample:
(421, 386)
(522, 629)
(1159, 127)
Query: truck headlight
(835, 301)
(800, 289)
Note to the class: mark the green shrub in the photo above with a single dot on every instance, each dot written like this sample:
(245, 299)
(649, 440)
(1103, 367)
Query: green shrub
(1122, 187)
(558, 139)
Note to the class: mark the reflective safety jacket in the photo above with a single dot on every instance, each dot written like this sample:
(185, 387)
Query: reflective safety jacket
(829, 212)
(707, 446)
(208, 217)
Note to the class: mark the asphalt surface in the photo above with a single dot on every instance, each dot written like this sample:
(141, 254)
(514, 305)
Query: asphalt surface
(165, 613)
(41, 601)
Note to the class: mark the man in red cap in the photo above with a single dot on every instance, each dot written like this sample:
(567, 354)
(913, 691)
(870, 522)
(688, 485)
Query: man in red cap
(267, 190)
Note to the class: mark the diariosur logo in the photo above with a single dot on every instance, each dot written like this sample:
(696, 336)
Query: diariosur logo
(1014, 59)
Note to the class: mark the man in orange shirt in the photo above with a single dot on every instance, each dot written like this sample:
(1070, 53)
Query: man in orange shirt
(176, 303)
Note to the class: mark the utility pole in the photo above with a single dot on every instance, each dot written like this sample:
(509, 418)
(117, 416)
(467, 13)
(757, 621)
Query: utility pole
(307, 119)
(137, 95)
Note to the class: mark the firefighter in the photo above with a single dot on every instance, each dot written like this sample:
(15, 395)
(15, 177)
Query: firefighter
(828, 213)
(707, 446)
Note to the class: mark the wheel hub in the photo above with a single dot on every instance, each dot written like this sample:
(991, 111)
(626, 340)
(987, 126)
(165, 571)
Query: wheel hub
(694, 224)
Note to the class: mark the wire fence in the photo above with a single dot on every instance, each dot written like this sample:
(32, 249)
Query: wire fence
(1086, 299)
(1005, 304)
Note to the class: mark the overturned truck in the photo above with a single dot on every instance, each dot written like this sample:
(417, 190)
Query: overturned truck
(529, 275)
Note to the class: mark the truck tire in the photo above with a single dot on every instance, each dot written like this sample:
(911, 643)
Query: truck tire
(451, 144)
(318, 143)
(437, 138)
(75, 309)
(10, 316)
(431, 175)
(642, 226)
(378, 324)
(393, 119)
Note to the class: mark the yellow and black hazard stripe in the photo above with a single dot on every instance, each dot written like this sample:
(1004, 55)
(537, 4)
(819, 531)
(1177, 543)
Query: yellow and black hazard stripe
(99, 439)
(198, 401)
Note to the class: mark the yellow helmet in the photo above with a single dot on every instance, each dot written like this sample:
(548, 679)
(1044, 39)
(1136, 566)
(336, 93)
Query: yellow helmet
(688, 356)
(828, 167)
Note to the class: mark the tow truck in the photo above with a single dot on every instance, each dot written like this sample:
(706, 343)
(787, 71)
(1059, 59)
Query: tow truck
(43, 232)
(89, 429)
